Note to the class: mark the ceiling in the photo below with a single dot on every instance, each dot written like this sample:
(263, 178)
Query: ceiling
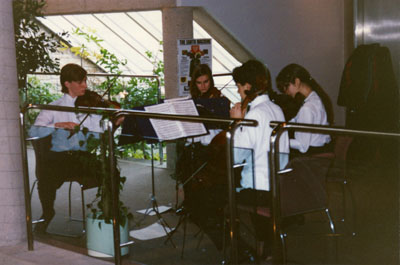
(129, 35)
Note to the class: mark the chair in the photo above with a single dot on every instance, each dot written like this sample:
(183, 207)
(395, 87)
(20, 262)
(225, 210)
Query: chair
(41, 147)
(338, 173)
(302, 190)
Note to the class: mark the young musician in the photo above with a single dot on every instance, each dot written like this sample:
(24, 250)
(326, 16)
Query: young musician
(253, 81)
(295, 80)
(67, 153)
(202, 83)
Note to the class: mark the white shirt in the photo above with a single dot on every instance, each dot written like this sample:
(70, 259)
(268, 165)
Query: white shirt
(312, 112)
(258, 138)
(45, 125)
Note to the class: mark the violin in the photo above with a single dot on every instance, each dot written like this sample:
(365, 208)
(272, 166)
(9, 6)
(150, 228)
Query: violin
(213, 92)
(92, 99)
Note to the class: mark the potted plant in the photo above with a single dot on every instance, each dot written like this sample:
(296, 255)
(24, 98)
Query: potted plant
(99, 225)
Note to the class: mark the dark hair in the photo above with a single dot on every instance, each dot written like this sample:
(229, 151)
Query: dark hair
(199, 70)
(288, 76)
(71, 72)
(254, 73)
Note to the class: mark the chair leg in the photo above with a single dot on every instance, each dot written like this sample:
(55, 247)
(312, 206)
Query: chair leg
(83, 211)
(69, 201)
(344, 201)
(224, 238)
(184, 235)
(83, 220)
(331, 224)
(284, 249)
(33, 186)
(353, 208)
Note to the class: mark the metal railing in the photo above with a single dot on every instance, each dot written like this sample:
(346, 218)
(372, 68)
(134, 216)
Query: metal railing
(278, 129)
(113, 115)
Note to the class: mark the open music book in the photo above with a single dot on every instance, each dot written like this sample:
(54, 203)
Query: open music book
(170, 129)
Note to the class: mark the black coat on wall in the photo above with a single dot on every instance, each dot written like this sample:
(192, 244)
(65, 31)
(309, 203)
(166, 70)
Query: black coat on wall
(370, 94)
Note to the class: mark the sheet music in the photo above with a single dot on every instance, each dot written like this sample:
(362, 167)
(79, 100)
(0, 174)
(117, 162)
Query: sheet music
(187, 107)
(165, 129)
(150, 232)
(169, 129)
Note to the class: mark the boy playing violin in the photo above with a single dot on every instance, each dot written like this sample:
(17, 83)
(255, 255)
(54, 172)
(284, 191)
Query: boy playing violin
(67, 148)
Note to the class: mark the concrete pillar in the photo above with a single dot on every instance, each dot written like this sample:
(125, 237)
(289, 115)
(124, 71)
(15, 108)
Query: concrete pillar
(177, 24)
(12, 209)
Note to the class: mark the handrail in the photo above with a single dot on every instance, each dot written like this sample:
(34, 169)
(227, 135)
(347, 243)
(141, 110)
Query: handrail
(278, 129)
(114, 114)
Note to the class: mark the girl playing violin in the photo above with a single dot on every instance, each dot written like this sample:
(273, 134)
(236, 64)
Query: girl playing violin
(253, 81)
(202, 83)
(294, 80)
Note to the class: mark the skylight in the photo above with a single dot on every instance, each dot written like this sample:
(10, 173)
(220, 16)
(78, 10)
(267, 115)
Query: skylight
(129, 35)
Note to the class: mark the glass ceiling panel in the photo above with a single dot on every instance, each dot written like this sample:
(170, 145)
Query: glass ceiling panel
(129, 35)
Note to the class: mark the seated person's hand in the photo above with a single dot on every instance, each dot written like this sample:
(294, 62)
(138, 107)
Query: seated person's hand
(236, 111)
(66, 125)
(119, 121)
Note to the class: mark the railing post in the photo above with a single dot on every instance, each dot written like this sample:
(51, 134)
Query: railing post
(278, 251)
(231, 195)
(28, 210)
(115, 193)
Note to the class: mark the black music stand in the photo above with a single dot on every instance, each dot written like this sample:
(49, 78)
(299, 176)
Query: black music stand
(135, 129)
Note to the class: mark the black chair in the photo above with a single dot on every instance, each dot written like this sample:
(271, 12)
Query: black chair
(339, 173)
(41, 148)
(302, 190)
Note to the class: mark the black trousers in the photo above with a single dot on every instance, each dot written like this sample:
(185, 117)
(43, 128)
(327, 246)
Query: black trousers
(262, 225)
(55, 168)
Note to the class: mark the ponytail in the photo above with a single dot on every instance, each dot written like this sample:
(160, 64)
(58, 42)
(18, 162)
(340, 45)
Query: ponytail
(292, 71)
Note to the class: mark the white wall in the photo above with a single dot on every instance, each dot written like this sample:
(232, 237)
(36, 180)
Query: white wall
(279, 32)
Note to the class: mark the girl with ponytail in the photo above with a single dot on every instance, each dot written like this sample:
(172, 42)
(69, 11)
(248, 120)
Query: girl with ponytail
(294, 80)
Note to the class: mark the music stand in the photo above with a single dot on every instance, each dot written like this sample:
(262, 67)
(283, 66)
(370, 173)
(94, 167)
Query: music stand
(139, 128)
(135, 129)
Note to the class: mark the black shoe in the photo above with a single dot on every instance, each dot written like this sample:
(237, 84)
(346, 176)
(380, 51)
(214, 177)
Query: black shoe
(246, 254)
(42, 226)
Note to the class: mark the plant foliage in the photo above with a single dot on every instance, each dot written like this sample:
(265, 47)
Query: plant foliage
(101, 207)
(33, 46)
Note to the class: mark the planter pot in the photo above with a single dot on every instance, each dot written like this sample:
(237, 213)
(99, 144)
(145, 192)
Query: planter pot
(100, 241)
